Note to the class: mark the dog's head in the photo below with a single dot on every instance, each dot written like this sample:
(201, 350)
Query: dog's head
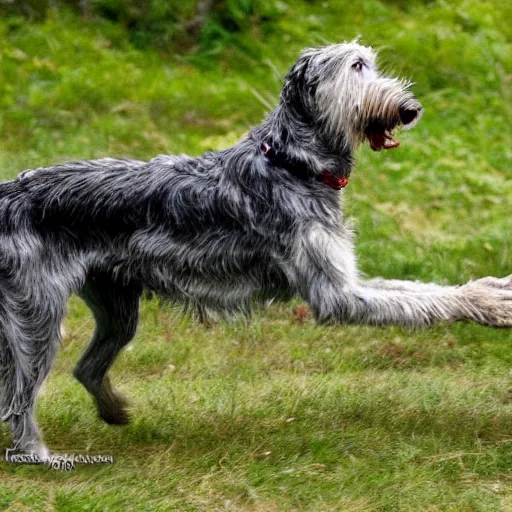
(340, 91)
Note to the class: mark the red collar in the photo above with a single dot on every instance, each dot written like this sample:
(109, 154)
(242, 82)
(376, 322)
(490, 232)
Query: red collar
(326, 177)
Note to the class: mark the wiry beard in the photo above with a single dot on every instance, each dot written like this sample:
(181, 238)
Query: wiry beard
(382, 100)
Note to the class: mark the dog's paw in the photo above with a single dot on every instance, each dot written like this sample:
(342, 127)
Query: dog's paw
(488, 301)
(500, 283)
(114, 410)
(36, 448)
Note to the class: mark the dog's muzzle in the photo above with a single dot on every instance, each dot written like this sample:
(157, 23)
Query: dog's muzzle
(380, 135)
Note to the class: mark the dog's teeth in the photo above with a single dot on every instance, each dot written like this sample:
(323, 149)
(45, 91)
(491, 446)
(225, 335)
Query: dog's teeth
(390, 142)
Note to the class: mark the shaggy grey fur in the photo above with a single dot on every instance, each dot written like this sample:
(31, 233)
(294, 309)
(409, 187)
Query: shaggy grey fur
(217, 233)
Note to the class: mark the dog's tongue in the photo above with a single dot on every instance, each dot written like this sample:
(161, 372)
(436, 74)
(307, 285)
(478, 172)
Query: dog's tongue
(382, 140)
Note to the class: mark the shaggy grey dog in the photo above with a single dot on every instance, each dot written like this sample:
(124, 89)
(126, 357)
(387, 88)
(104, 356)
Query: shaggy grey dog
(254, 222)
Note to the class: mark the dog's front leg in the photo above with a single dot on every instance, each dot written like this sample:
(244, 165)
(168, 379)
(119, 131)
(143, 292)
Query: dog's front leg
(323, 269)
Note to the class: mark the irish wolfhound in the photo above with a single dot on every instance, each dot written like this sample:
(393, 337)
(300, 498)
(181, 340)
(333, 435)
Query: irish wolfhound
(259, 220)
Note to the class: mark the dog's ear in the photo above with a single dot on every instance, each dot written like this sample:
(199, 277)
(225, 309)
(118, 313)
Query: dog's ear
(299, 87)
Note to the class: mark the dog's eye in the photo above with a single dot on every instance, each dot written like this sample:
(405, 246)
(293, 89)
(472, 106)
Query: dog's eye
(358, 66)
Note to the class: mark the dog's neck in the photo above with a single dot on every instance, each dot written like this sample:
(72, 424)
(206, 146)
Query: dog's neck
(299, 147)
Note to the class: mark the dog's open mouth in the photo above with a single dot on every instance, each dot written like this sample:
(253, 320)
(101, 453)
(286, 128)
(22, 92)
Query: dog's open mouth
(381, 139)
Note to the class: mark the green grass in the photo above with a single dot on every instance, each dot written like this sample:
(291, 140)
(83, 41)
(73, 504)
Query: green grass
(281, 414)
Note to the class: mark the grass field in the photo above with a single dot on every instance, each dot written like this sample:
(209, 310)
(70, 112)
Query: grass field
(281, 414)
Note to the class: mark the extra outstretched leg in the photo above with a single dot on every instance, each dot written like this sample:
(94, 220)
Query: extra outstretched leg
(325, 274)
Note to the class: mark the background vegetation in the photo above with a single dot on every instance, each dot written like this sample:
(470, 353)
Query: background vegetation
(281, 414)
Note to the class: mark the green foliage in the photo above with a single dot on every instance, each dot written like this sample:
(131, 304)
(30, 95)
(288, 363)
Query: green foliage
(281, 414)
(34, 9)
(164, 24)
(152, 23)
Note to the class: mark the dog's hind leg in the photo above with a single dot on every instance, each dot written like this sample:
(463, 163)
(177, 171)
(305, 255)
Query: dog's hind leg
(115, 306)
(29, 345)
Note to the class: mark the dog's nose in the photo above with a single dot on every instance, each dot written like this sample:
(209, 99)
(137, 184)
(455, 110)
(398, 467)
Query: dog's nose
(408, 115)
